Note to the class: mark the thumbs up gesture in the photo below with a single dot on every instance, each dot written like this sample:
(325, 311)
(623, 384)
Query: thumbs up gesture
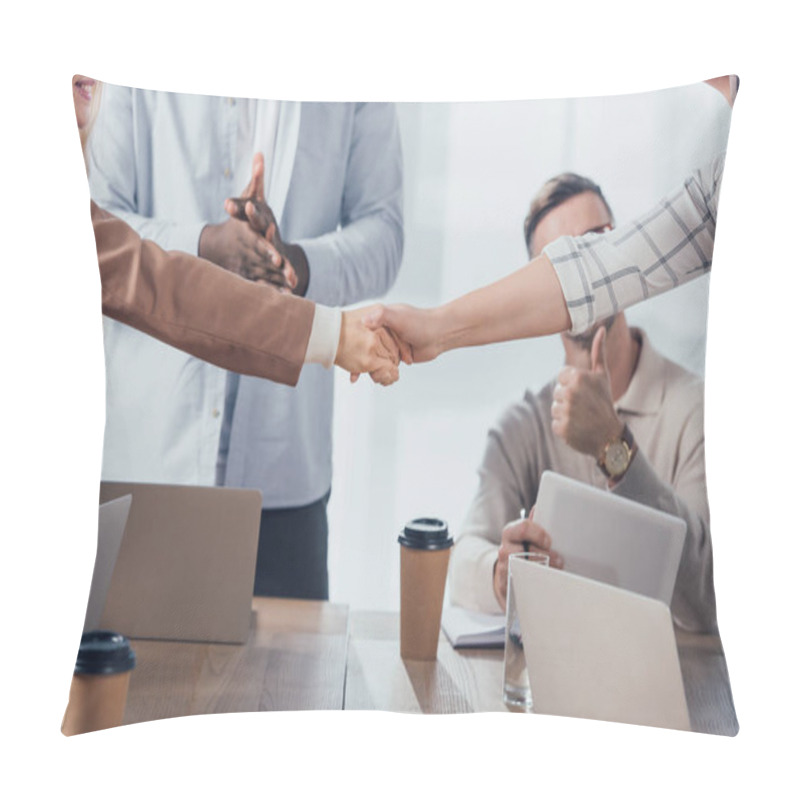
(583, 410)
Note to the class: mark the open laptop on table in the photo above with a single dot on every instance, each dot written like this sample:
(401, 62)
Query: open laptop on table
(186, 564)
(598, 652)
(112, 517)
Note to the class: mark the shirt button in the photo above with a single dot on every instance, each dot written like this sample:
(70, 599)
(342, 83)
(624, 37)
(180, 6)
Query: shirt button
(215, 413)
(227, 173)
(231, 101)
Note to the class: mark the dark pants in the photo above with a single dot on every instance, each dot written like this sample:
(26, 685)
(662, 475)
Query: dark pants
(293, 552)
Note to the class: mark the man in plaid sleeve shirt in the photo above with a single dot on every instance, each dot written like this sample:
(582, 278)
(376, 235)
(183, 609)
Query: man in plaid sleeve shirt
(614, 391)
(667, 246)
(575, 282)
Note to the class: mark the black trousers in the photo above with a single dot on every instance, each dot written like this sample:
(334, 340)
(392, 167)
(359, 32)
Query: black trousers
(293, 552)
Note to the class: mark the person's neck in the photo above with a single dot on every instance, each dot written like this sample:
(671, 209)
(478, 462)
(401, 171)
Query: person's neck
(623, 348)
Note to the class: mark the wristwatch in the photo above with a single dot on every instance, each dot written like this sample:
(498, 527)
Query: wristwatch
(617, 455)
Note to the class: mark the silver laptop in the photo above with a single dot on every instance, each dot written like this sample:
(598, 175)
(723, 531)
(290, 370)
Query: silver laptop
(598, 652)
(611, 538)
(186, 565)
(112, 517)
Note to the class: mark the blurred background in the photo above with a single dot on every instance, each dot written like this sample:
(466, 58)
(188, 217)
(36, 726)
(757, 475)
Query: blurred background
(471, 170)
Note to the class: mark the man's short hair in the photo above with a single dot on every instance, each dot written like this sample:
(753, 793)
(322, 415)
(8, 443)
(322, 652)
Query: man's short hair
(555, 192)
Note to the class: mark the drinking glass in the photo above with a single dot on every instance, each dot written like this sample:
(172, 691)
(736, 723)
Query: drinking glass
(516, 686)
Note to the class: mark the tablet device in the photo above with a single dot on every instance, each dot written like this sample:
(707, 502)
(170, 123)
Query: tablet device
(610, 538)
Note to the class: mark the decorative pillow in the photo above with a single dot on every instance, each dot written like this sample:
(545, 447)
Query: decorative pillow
(409, 204)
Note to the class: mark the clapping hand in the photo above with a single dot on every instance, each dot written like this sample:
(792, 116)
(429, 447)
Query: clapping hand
(237, 247)
(287, 266)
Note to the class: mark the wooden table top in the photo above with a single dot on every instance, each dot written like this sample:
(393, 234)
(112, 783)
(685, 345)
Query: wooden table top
(377, 678)
(306, 655)
(467, 680)
(294, 660)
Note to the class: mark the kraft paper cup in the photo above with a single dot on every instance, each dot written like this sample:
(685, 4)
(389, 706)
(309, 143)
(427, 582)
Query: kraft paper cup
(99, 686)
(424, 557)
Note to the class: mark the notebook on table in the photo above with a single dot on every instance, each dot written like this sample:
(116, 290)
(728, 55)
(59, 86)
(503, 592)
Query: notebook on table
(186, 564)
(465, 628)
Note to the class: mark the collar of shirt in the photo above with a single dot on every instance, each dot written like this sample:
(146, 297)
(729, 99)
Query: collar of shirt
(645, 392)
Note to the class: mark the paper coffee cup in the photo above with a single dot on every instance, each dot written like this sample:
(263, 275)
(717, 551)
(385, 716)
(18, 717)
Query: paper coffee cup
(99, 686)
(424, 556)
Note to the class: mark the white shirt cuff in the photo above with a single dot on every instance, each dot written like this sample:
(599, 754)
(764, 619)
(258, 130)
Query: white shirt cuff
(324, 340)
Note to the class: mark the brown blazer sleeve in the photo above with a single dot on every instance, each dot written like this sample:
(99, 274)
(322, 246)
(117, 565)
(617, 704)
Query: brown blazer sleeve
(199, 307)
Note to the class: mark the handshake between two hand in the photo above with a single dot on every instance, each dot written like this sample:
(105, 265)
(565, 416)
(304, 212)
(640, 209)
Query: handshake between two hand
(376, 339)
(366, 345)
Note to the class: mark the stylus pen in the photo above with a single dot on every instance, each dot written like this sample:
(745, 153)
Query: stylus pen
(526, 545)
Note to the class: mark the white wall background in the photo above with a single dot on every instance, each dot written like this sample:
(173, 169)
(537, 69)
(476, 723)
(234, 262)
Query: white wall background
(471, 170)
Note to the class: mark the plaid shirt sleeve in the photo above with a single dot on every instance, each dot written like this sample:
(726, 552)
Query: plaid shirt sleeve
(601, 274)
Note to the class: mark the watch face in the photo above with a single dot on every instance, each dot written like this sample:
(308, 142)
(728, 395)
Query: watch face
(617, 457)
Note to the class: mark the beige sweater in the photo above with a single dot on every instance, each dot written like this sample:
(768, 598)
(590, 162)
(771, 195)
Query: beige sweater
(663, 407)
